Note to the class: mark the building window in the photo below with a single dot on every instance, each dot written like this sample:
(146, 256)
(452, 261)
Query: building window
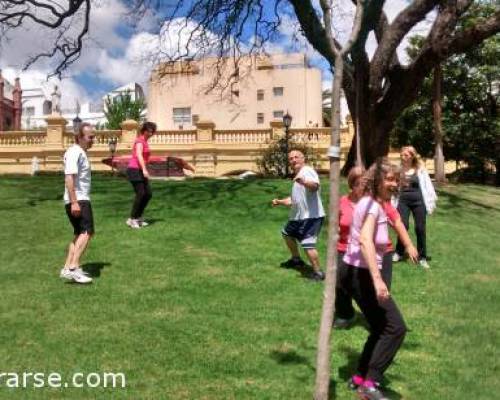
(28, 111)
(182, 115)
(260, 118)
(278, 114)
(278, 91)
(260, 94)
(196, 118)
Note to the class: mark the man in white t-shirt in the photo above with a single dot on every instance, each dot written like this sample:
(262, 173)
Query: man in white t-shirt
(77, 178)
(306, 215)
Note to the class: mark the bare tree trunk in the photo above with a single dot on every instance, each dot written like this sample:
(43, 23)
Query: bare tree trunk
(359, 159)
(439, 173)
(322, 385)
(323, 356)
(497, 161)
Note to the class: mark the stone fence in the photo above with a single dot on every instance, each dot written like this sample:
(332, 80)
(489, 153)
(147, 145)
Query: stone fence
(213, 152)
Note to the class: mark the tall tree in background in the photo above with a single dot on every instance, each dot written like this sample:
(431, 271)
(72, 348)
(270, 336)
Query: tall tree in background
(226, 28)
(470, 111)
(121, 108)
(437, 111)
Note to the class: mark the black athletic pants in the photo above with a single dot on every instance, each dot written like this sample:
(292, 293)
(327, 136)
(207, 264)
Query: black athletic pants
(142, 191)
(343, 300)
(142, 196)
(386, 325)
(417, 208)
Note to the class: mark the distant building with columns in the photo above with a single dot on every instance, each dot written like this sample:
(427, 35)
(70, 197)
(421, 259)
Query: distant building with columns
(10, 104)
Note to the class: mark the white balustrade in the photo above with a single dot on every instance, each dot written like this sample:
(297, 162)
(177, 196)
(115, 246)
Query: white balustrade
(173, 137)
(234, 137)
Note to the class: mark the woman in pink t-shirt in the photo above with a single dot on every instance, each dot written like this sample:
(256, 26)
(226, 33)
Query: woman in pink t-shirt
(344, 311)
(367, 245)
(138, 175)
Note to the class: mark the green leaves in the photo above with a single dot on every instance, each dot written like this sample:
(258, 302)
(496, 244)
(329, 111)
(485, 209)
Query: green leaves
(121, 108)
(471, 104)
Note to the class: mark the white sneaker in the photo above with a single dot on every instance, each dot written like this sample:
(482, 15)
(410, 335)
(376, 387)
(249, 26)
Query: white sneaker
(424, 264)
(133, 223)
(82, 271)
(396, 257)
(79, 277)
(142, 222)
(66, 274)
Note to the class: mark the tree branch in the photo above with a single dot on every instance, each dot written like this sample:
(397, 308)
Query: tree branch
(392, 37)
(474, 35)
(52, 15)
(313, 29)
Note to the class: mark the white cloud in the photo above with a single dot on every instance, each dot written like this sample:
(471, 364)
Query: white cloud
(117, 60)
(70, 89)
(31, 39)
(343, 16)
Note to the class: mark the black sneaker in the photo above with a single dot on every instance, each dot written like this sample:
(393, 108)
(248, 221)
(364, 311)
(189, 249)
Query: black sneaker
(370, 393)
(293, 263)
(343, 323)
(317, 276)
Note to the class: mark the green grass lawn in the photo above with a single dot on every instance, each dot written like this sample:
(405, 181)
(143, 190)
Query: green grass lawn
(196, 307)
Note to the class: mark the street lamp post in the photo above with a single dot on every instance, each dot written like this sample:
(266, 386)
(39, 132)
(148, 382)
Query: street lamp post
(287, 121)
(77, 122)
(112, 149)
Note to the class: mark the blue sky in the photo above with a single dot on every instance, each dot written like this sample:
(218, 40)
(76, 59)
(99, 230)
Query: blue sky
(115, 53)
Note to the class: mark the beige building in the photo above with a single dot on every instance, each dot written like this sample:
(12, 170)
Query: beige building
(261, 89)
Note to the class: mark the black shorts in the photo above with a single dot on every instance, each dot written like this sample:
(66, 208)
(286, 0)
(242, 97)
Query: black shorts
(305, 231)
(85, 222)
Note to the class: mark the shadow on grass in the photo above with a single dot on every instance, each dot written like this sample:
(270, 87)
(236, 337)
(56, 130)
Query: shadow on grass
(292, 357)
(289, 357)
(305, 271)
(34, 201)
(349, 369)
(152, 221)
(458, 201)
(93, 269)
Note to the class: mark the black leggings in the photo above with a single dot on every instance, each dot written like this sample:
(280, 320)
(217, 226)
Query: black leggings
(142, 196)
(417, 208)
(343, 300)
(386, 324)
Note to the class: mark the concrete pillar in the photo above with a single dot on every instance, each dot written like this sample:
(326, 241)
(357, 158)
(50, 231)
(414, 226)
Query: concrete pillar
(205, 158)
(129, 133)
(205, 131)
(56, 126)
(277, 129)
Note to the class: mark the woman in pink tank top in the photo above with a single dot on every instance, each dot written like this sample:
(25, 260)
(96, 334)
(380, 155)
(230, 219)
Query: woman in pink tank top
(138, 175)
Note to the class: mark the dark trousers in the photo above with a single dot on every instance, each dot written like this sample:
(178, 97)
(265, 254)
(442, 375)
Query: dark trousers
(386, 325)
(343, 300)
(143, 194)
(417, 208)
